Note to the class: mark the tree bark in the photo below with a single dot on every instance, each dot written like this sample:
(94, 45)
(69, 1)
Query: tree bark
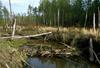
(85, 19)
(10, 10)
(98, 17)
(91, 51)
(58, 19)
(94, 22)
(14, 28)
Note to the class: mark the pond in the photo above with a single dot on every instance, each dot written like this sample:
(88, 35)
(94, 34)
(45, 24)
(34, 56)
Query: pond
(37, 62)
(54, 62)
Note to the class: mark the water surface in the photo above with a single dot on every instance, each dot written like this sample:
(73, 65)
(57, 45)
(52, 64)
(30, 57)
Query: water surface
(37, 62)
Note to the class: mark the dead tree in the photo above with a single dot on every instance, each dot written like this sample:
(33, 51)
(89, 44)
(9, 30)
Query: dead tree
(94, 22)
(99, 17)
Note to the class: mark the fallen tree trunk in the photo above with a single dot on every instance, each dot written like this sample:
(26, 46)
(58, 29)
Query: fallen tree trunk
(28, 36)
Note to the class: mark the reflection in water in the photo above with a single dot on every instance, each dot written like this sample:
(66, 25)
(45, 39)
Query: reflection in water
(56, 63)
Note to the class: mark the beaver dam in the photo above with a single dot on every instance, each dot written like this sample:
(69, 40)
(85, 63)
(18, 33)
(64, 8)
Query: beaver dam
(52, 48)
(49, 33)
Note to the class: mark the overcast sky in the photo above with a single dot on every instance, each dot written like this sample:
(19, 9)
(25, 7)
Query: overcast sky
(20, 6)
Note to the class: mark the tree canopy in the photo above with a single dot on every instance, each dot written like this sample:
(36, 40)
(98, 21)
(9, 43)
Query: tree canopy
(59, 12)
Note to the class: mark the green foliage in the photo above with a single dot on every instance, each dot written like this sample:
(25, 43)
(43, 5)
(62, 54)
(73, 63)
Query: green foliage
(14, 43)
(1, 15)
(69, 13)
(63, 12)
(4, 14)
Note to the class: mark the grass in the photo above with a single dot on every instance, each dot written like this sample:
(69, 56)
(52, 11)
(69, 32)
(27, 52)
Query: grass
(10, 57)
(64, 34)
(14, 43)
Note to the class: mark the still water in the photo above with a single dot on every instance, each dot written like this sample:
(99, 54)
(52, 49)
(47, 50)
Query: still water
(41, 62)
(57, 63)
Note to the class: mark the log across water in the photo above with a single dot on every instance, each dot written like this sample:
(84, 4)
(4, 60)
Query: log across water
(46, 51)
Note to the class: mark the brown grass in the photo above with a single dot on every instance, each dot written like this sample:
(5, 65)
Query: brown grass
(10, 57)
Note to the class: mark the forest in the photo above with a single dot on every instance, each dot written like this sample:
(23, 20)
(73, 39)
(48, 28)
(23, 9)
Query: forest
(54, 34)
(65, 13)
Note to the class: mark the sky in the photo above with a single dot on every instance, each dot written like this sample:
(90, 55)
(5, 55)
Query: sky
(20, 6)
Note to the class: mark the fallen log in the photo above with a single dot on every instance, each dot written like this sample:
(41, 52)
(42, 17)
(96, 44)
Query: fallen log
(28, 36)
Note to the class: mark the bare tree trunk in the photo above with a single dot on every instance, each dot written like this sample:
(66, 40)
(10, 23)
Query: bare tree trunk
(91, 51)
(50, 23)
(98, 17)
(94, 22)
(10, 11)
(54, 19)
(85, 19)
(11, 17)
(14, 28)
(58, 19)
